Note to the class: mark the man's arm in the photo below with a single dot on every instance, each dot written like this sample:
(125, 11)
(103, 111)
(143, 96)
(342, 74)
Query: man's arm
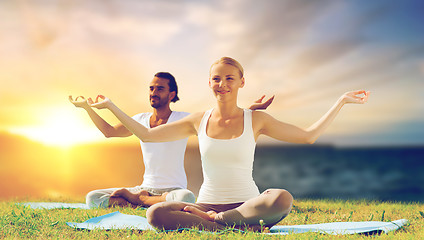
(258, 104)
(108, 130)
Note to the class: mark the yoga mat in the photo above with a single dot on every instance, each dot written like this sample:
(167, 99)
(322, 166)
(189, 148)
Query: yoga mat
(341, 228)
(56, 205)
(117, 220)
(53, 205)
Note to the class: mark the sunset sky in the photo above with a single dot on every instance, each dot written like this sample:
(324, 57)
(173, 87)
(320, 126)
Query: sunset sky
(307, 53)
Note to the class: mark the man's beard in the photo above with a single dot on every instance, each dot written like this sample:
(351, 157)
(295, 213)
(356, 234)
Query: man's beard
(159, 102)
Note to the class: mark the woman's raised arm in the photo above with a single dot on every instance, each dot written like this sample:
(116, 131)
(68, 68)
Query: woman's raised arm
(271, 127)
(163, 133)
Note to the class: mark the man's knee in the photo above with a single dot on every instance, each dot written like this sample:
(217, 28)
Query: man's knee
(90, 199)
(181, 195)
(97, 198)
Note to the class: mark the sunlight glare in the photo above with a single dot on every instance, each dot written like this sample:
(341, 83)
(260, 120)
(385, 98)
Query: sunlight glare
(61, 128)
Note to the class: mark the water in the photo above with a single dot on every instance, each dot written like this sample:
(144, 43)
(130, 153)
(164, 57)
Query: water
(388, 174)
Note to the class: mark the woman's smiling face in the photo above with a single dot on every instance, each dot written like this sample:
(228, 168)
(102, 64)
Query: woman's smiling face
(225, 80)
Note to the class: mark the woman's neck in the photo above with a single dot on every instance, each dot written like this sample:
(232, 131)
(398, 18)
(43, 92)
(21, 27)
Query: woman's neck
(227, 110)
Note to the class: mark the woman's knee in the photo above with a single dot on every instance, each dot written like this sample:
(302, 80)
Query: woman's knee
(278, 204)
(159, 215)
(154, 214)
(285, 201)
(281, 200)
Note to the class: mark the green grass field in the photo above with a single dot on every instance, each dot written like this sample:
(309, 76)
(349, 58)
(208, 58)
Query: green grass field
(22, 222)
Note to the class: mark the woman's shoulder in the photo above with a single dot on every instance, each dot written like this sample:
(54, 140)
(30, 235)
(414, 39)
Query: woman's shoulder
(197, 114)
(195, 117)
(256, 114)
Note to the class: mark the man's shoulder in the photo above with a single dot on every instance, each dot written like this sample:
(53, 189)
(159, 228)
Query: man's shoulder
(142, 115)
(179, 115)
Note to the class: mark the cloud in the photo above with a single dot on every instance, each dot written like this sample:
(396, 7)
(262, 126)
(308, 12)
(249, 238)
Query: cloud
(275, 25)
(43, 21)
(306, 52)
(128, 23)
(97, 22)
(422, 67)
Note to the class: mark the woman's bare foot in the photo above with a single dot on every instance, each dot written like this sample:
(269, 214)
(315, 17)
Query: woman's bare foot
(210, 215)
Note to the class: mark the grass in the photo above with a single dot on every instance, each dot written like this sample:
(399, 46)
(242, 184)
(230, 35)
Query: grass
(17, 222)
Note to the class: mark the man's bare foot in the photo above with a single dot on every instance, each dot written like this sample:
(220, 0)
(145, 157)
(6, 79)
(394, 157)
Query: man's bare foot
(133, 198)
(148, 200)
(142, 196)
(120, 193)
(143, 193)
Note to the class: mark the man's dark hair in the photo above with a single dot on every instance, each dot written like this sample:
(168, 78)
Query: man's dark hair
(171, 82)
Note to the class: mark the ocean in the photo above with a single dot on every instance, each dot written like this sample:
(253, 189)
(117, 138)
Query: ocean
(317, 171)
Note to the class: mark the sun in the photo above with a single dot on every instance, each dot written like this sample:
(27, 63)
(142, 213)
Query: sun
(61, 128)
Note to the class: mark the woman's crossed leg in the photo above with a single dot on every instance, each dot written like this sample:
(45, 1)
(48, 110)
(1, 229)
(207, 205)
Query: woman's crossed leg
(271, 207)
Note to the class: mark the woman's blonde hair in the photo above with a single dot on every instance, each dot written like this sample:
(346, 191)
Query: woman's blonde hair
(229, 61)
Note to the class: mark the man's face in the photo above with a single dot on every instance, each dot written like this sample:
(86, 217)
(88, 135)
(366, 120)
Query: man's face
(159, 92)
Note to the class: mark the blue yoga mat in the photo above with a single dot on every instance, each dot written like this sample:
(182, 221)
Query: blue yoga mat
(336, 228)
(53, 205)
(117, 220)
(56, 205)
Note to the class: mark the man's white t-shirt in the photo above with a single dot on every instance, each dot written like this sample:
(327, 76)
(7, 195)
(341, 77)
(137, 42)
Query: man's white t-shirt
(163, 161)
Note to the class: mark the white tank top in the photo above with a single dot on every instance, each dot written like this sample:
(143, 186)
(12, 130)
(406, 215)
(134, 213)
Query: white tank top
(163, 161)
(227, 165)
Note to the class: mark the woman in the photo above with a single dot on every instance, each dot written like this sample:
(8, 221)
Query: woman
(227, 138)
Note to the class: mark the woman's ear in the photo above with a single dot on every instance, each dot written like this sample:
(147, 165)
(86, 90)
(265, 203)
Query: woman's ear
(242, 82)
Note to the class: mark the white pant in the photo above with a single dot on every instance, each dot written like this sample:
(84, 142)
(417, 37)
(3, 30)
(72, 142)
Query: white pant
(100, 198)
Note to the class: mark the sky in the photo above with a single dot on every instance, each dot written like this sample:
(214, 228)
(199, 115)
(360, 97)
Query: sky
(306, 53)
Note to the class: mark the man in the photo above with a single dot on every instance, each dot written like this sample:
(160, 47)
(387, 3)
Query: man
(164, 177)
